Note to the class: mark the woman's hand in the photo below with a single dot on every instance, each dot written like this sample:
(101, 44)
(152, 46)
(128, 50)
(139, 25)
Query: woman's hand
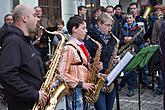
(100, 66)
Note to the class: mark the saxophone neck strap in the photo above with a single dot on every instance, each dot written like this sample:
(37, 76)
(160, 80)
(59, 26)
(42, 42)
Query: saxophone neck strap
(81, 62)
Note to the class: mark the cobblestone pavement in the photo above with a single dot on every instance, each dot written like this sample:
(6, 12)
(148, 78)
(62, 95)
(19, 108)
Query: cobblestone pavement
(149, 101)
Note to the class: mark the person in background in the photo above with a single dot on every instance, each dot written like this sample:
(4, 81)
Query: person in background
(157, 25)
(82, 11)
(162, 51)
(59, 26)
(21, 72)
(41, 40)
(74, 64)
(109, 9)
(8, 20)
(96, 12)
(155, 64)
(119, 20)
(133, 7)
(128, 31)
(101, 33)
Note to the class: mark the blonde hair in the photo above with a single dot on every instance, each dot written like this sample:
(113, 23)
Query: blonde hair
(103, 17)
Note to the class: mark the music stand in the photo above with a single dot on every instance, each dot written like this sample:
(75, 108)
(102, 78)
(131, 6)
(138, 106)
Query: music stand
(139, 61)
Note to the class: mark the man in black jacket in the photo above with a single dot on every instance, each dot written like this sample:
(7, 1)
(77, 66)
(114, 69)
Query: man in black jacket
(8, 20)
(21, 68)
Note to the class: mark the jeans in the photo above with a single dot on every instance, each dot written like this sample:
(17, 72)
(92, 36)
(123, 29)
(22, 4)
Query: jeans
(160, 81)
(106, 100)
(144, 78)
(75, 101)
(130, 79)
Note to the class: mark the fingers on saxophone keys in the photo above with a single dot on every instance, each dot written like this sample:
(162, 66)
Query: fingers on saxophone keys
(43, 98)
(91, 86)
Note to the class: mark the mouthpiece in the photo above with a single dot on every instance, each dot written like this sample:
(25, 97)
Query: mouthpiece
(87, 37)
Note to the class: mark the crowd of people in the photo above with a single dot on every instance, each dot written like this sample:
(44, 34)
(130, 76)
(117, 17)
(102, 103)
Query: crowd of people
(26, 53)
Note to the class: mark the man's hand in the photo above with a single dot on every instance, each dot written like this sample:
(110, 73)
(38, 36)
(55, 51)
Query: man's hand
(127, 39)
(43, 98)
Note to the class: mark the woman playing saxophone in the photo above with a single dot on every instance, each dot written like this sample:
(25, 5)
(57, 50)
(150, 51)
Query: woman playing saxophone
(100, 32)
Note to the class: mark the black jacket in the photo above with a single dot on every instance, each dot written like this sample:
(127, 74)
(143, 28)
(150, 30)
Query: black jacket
(107, 42)
(21, 70)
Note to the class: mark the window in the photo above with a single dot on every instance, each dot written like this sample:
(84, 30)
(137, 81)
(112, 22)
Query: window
(51, 9)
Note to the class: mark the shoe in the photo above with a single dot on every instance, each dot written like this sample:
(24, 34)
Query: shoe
(130, 93)
(158, 92)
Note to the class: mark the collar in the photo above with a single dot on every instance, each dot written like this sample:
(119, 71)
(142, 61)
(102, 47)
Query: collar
(132, 27)
(77, 41)
(19, 32)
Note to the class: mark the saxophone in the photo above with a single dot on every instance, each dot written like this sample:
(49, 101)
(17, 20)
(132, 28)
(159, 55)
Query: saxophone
(92, 96)
(129, 46)
(50, 77)
(111, 65)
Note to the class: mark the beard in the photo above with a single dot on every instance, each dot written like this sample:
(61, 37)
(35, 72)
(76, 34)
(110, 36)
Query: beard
(32, 31)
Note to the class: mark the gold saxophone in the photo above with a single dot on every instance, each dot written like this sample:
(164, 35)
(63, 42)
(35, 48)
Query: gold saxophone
(129, 46)
(92, 96)
(50, 77)
(111, 65)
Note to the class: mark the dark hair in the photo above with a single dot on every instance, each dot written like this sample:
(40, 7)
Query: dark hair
(95, 10)
(120, 6)
(7, 16)
(37, 7)
(80, 8)
(74, 21)
(109, 6)
(130, 13)
(133, 3)
(102, 8)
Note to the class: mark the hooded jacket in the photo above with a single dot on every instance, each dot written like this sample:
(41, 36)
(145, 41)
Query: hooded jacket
(21, 69)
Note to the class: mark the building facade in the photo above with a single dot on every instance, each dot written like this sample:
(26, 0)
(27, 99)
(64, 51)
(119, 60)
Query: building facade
(53, 9)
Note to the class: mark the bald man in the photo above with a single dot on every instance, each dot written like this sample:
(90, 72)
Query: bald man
(21, 72)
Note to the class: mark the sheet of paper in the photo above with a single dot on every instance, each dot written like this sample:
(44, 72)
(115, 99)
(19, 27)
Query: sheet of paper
(119, 67)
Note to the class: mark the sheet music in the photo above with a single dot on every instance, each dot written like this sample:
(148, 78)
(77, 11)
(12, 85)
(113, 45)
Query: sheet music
(119, 67)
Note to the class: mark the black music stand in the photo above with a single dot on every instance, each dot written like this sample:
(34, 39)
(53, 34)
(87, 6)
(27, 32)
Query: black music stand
(139, 61)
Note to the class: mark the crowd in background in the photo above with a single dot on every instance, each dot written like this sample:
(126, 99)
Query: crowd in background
(130, 28)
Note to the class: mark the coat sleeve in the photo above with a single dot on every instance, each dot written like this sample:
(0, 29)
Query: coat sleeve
(121, 37)
(9, 72)
(155, 33)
